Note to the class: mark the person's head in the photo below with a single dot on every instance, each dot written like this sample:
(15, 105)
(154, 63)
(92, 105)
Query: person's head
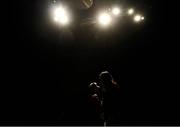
(93, 88)
(105, 76)
(106, 79)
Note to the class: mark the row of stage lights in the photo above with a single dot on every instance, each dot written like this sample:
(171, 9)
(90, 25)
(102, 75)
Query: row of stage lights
(62, 16)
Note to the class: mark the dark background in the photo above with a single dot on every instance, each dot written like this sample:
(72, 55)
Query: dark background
(46, 70)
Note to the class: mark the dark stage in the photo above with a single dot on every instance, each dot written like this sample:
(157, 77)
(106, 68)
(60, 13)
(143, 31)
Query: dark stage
(46, 71)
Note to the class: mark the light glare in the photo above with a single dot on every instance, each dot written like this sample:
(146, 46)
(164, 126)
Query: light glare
(56, 19)
(137, 18)
(142, 18)
(61, 16)
(131, 11)
(104, 19)
(116, 11)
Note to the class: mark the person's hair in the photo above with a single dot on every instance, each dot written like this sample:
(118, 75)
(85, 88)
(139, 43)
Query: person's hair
(105, 76)
(93, 87)
(107, 80)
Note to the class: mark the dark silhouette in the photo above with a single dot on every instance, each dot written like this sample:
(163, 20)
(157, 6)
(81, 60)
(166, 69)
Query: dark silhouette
(103, 98)
(111, 96)
(95, 102)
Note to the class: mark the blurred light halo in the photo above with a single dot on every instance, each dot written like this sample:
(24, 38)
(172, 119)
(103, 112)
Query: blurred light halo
(137, 18)
(131, 11)
(142, 18)
(61, 15)
(104, 19)
(116, 11)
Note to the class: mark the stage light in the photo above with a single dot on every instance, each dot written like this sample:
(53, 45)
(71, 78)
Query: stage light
(61, 15)
(131, 11)
(137, 18)
(116, 11)
(104, 19)
(142, 18)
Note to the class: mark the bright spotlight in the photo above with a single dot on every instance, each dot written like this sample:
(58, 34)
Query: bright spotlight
(137, 18)
(61, 16)
(131, 11)
(142, 18)
(104, 19)
(116, 11)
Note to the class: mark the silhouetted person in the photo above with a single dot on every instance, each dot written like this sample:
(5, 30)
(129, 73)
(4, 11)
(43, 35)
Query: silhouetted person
(95, 103)
(111, 96)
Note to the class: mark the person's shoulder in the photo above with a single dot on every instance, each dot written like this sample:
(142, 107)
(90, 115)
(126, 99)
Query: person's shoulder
(92, 84)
